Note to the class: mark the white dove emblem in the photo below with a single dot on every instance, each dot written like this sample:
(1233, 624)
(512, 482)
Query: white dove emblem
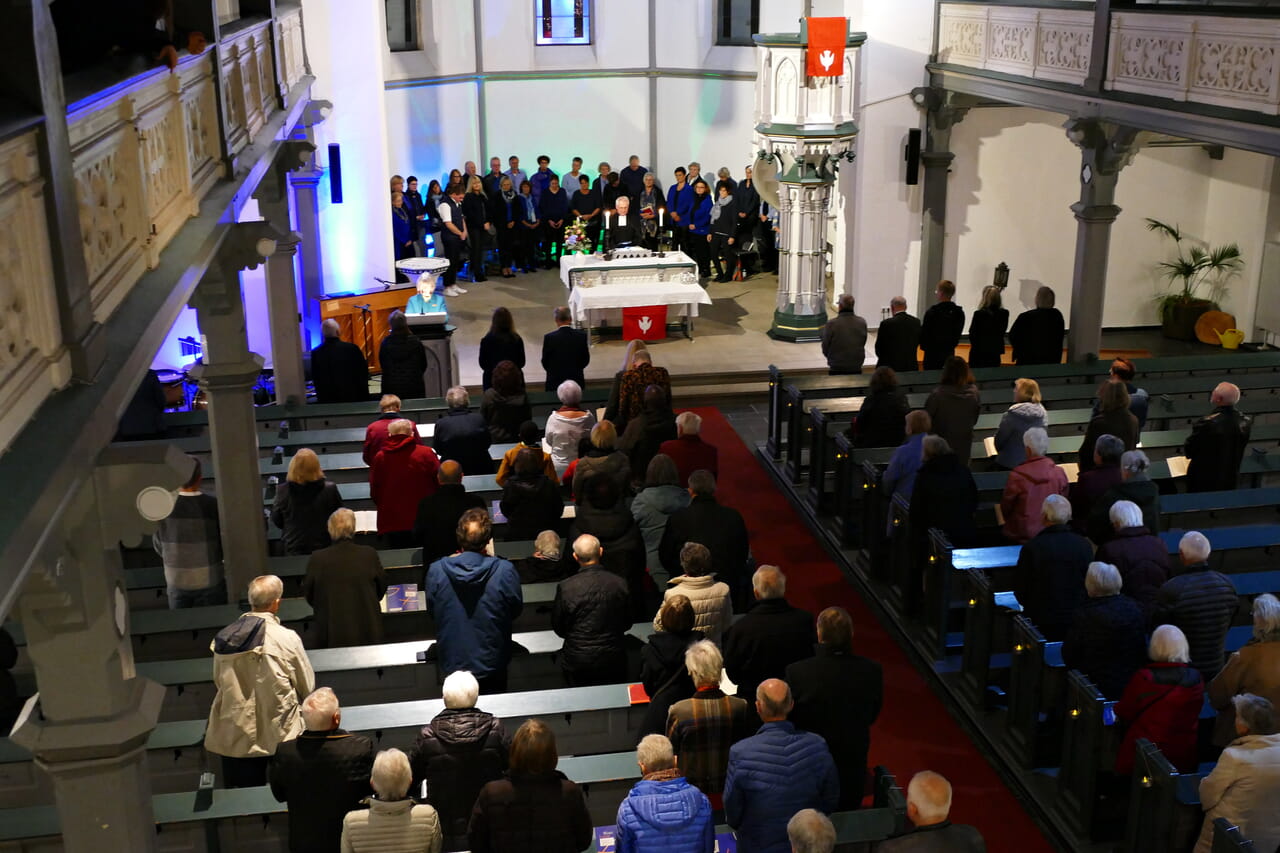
(826, 58)
(645, 324)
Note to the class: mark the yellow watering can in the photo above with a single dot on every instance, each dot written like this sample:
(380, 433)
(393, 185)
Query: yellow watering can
(1231, 338)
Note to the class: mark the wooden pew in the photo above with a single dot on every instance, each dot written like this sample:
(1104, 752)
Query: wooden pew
(1164, 805)
(1228, 838)
(1088, 747)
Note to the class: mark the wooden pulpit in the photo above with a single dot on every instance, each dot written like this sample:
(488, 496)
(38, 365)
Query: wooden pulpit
(364, 318)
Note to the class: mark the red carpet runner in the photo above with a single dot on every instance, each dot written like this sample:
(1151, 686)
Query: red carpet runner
(914, 731)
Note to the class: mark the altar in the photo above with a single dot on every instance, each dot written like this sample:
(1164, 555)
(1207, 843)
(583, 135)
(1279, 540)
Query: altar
(599, 289)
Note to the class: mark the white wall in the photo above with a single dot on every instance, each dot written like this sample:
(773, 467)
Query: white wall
(344, 38)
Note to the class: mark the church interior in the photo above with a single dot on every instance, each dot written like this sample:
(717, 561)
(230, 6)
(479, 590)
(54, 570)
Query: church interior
(195, 228)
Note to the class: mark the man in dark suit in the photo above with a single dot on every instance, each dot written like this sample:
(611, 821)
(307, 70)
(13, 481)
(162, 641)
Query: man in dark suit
(565, 352)
(720, 528)
(624, 228)
(338, 368)
(770, 637)
(838, 695)
(1037, 334)
(1217, 443)
(897, 339)
(437, 524)
(941, 328)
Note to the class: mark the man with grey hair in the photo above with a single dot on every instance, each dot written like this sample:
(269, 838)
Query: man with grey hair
(928, 809)
(1201, 602)
(1049, 580)
(703, 727)
(547, 563)
(338, 368)
(1252, 668)
(770, 637)
(1028, 486)
(1217, 442)
(1135, 485)
(565, 352)
(456, 754)
(898, 338)
(462, 435)
(721, 528)
(844, 339)
(592, 612)
(689, 451)
(775, 773)
(1244, 786)
(1141, 557)
(344, 585)
(322, 774)
(810, 831)
(1107, 637)
(663, 813)
(262, 673)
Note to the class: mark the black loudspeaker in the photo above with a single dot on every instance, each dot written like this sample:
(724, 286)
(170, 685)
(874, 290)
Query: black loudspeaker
(335, 173)
(912, 156)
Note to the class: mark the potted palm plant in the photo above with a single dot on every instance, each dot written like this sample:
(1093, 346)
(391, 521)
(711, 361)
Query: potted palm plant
(1192, 268)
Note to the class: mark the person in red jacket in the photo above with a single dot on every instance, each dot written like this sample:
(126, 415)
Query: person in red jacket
(403, 473)
(1027, 487)
(1162, 703)
(688, 450)
(375, 434)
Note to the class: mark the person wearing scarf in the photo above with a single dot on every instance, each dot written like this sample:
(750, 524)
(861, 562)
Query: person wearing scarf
(528, 227)
(724, 224)
(650, 201)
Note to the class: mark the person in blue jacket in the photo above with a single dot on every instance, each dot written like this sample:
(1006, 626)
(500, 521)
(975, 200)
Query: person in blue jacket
(429, 298)
(554, 210)
(776, 773)
(700, 228)
(679, 209)
(663, 813)
(401, 227)
(474, 598)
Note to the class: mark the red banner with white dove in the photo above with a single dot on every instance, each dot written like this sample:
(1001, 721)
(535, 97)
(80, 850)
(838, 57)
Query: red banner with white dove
(827, 38)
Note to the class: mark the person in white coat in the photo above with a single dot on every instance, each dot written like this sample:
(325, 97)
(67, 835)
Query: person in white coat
(1244, 786)
(262, 674)
(712, 605)
(393, 823)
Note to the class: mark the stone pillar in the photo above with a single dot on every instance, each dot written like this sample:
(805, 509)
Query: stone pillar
(89, 723)
(944, 110)
(228, 372)
(305, 184)
(31, 73)
(286, 324)
(1105, 149)
(804, 195)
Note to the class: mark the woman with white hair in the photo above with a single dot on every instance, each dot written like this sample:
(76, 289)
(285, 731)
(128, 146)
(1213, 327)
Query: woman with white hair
(567, 425)
(1255, 668)
(1027, 487)
(344, 585)
(1107, 638)
(393, 823)
(1141, 557)
(1162, 703)
(1135, 485)
(1244, 786)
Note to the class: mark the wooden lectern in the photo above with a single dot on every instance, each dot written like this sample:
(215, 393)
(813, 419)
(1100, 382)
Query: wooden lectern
(364, 318)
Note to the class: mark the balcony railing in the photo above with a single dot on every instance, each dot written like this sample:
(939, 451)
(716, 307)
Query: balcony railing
(1045, 44)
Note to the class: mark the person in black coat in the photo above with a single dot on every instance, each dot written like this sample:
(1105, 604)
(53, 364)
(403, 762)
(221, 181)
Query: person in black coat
(770, 637)
(566, 352)
(604, 515)
(625, 228)
(1037, 334)
(303, 505)
(1134, 486)
(1217, 442)
(505, 406)
(1113, 418)
(462, 435)
(1107, 637)
(941, 328)
(344, 584)
(531, 502)
(322, 774)
(1139, 555)
(838, 695)
(475, 211)
(460, 751)
(403, 361)
(663, 672)
(898, 338)
(882, 420)
(501, 343)
(986, 330)
(646, 433)
(592, 612)
(1201, 602)
(719, 527)
(945, 495)
(724, 234)
(11, 701)
(1049, 581)
(338, 368)
(437, 524)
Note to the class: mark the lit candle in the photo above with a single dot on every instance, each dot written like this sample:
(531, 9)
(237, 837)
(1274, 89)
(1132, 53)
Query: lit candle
(606, 219)
(660, 210)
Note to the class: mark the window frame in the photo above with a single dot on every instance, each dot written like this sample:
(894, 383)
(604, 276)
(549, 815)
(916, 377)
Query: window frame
(588, 26)
(724, 11)
(412, 29)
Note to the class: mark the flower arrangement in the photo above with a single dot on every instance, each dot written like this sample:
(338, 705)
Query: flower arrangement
(575, 238)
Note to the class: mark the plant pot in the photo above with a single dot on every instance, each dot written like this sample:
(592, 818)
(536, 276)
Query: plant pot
(1179, 320)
